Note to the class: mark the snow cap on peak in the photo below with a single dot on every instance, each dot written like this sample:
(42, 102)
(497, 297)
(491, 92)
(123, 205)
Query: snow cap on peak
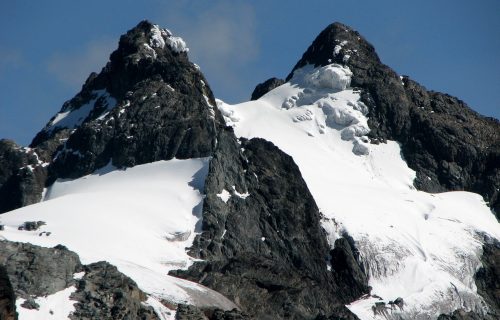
(159, 37)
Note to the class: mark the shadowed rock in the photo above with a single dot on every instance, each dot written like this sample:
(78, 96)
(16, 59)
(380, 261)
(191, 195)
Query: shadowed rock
(7, 297)
(266, 86)
(38, 271)
(22, 177)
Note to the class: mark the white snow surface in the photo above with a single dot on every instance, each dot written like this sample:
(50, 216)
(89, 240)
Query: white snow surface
(72, 118)
(177, 44)
(140, 219)
(419, 246)
(57, 306)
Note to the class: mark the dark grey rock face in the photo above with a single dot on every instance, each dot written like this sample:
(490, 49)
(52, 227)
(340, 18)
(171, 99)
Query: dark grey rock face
(7, 297)
(266, 86)
(106, 293)
(189, 312)
(488, 277)
(38, 271)
(450, 146)
(265, 248)
(346, 267)
(22, 177)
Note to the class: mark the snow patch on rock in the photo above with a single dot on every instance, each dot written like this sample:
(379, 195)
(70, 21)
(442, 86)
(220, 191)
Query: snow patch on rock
(57, 306)
(161, 37)
(72, 118)
(224, 195)
(160, 309)
(240, 195)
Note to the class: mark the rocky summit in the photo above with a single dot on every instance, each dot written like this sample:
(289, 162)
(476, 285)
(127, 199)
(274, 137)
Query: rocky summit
(345, 191)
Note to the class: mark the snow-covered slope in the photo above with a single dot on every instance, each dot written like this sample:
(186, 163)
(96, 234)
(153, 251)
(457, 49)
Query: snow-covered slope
(424, 248)
(140, 219)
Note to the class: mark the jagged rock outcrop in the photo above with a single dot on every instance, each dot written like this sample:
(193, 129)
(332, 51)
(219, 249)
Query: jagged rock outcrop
(22, 176)
(450, 146)
(266, 86)
(462, 315)
(487, 278)
(262, 243)
(38, 271)
(7, 297)
(102, 293)
(106, 293)
(189, 312)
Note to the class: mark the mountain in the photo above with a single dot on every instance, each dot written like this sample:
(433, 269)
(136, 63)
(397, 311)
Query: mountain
(344, 191)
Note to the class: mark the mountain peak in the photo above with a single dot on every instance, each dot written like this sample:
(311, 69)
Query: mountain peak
(148, 40)
(147, 94)
(340, 44)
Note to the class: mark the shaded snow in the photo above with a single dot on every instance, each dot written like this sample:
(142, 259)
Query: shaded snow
(422, 247)
(226, 195)
(156, 40)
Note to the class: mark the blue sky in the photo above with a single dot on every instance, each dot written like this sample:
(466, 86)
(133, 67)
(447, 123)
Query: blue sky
(48, 48)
